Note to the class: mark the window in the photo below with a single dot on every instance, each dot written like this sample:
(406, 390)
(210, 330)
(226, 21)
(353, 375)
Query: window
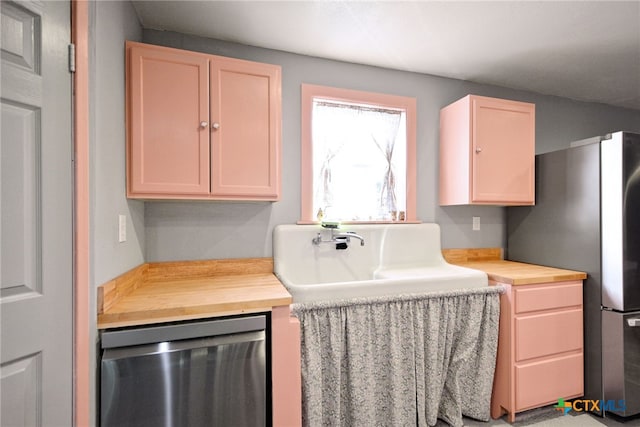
(358, 156)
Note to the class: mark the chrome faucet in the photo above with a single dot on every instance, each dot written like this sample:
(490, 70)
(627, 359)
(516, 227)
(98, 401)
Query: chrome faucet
(348, 235)
(341, 240)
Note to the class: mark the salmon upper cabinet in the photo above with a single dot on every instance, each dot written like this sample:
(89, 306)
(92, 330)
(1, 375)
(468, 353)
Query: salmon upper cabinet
(201, 126)
(487, 152)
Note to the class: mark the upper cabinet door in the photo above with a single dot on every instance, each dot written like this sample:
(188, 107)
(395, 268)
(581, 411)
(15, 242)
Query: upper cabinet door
(168, 144)
(201, 126)
(503, 151)
(246, 127)
(487, 152)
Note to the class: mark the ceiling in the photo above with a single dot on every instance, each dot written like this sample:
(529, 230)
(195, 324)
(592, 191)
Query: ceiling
(583, 50)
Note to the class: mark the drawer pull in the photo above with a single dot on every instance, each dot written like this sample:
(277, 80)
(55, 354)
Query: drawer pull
(633, 322)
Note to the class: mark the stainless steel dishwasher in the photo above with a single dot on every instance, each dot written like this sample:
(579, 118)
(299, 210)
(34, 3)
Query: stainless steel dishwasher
(206, 373)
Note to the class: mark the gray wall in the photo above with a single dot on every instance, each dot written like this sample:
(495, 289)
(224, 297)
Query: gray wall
(110, 24)
(178, 230)
(115, 22)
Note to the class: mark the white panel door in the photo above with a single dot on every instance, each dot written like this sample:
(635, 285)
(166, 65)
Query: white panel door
(36, 300)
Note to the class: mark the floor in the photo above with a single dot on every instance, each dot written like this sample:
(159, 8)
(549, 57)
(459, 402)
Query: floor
(550, 417)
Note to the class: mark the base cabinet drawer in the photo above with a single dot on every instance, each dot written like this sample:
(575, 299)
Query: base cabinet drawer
(546, 334)
(545, 381)
(536, 297)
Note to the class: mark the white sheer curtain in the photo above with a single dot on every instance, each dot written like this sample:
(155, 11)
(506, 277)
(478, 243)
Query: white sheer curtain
(359, 153)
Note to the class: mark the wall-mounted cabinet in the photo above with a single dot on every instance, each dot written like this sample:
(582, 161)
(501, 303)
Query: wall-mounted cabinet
(487, 152)
(201, 126)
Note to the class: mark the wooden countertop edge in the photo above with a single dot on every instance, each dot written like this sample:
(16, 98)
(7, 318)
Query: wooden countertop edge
(145, 317)
(537, 279)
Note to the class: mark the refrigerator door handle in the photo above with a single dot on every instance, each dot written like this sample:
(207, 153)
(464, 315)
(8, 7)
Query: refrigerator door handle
(633, 322)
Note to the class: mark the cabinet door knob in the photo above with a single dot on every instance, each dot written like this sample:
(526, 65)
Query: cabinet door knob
(478, 149)
(203, 124)
(215, 125)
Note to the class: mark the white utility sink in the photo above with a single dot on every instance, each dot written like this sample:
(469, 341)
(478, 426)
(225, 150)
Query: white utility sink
(395, 259)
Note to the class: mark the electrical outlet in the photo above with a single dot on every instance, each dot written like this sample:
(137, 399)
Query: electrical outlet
(122, 228)
(476, 223)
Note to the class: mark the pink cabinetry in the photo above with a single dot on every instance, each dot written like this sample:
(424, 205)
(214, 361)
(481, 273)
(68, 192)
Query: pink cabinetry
(201, 126)
(487, 151)
(540, 348)
(286, 371)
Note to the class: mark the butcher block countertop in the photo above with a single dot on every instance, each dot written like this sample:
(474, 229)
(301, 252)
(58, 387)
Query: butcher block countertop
(509, 272)
(174, 291)
(518, 273)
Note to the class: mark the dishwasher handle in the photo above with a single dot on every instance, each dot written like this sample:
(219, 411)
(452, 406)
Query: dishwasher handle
(165, 347)
(182, 331)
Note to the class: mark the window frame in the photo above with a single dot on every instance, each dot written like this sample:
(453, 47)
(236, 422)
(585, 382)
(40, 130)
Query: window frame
(408, 104)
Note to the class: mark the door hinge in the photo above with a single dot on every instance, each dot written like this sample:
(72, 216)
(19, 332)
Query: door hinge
(72, 57)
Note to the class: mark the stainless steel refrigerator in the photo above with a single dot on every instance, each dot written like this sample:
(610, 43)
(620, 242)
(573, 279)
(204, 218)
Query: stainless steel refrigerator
(587, 218)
